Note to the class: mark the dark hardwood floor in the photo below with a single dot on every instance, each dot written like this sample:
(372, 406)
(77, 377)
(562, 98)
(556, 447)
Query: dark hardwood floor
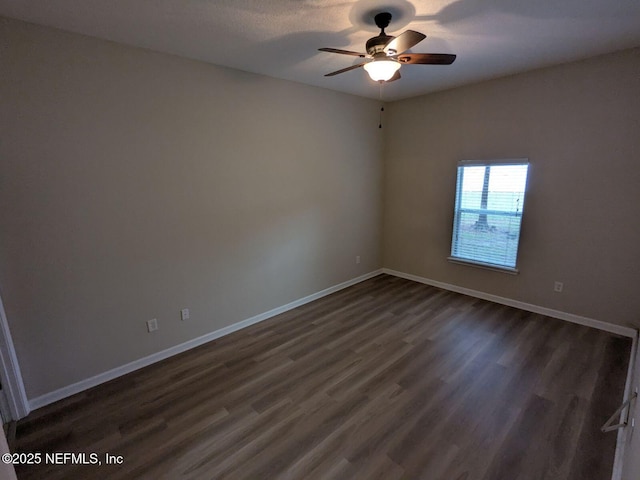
(388, 379)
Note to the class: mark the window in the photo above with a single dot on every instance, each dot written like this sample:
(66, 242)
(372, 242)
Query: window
(488, 212)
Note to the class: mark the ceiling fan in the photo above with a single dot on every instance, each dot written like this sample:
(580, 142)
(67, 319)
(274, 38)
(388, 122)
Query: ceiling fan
(387, 53)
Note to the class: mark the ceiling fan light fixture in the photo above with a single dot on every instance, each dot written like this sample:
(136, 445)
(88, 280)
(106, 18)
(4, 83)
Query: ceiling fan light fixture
(386, 53)
(381, 70)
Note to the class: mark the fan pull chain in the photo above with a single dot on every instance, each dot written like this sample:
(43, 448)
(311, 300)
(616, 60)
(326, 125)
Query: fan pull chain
(382, 106)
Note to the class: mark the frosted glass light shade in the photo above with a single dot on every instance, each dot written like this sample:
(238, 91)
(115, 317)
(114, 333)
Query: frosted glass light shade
(381, 70)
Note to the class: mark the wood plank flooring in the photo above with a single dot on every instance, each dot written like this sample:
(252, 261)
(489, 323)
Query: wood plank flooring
(388, 379)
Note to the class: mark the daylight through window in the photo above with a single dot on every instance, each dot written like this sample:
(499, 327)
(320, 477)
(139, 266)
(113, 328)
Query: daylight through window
(488, 212)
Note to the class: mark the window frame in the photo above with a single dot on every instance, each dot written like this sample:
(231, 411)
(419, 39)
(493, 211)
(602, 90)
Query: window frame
(458, 210)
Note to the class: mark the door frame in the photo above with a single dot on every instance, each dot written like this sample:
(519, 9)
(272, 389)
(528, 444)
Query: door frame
(12, 385)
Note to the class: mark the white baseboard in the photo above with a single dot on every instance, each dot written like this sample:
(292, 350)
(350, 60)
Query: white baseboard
(569, 317)
(78, 387)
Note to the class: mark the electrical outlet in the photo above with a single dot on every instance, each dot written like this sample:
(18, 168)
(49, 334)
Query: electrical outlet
(358, 259)
(558, 286)
(152, 325)
(184, 314)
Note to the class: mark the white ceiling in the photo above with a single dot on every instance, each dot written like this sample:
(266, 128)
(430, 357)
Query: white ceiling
(280, 38)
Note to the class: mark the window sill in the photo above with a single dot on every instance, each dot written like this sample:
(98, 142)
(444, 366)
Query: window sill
(485, 266)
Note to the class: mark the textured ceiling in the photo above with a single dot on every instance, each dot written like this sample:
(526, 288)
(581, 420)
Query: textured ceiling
(280, 38)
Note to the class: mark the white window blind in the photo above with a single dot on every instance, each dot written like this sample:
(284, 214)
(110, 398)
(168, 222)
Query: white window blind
(488, 212)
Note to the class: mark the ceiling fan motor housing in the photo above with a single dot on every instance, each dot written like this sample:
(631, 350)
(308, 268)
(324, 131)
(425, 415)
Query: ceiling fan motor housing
(376, 44)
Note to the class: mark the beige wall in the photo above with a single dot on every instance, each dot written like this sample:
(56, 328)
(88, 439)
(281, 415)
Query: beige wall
(134, 184)
(579, 125)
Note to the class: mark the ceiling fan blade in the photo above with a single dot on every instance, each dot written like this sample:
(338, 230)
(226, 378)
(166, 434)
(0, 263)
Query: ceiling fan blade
(403, 42)
(352, 67)
(427, 58)
(343, 52)
(396, 76)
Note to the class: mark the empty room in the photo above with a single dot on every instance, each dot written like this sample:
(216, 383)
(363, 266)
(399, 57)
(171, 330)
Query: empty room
(320, 239)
